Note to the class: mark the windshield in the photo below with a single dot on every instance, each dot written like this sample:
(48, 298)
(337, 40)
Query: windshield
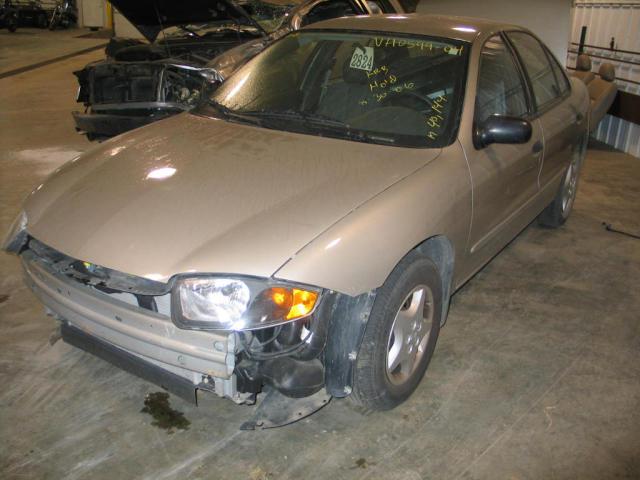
(390, 89)
(268, 14)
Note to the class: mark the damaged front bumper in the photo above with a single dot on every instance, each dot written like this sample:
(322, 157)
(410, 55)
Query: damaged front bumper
(146, 340)
(126, 321)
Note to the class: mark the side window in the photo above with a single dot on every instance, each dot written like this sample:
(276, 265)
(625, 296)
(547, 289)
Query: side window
(500, 88)
(328, 10)
(561, 77)
(538, 66)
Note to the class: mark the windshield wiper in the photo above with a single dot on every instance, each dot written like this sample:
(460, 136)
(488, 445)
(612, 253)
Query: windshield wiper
(305, 117)
(310, 120)
(228, 114)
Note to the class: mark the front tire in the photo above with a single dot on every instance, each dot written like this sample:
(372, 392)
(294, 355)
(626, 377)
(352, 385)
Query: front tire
(401, 335)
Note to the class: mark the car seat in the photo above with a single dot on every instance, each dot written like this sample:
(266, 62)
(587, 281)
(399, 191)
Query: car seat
(583, 69)
(602, 91)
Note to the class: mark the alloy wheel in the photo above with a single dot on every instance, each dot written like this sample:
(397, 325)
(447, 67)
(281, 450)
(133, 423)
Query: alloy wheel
(409, 335)
(570, 185)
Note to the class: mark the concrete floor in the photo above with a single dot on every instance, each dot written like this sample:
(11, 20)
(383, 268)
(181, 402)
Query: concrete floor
(27, 46)
(536, 375)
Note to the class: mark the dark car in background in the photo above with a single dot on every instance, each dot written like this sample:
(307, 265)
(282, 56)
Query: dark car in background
(191, 47)
(33, 13)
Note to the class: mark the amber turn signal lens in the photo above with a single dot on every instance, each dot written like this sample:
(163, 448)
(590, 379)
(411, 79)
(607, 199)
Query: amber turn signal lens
(303, 303)
(282, 297)
(292, 302)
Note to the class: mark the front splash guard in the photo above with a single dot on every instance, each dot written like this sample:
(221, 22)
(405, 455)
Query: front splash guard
(277, 410)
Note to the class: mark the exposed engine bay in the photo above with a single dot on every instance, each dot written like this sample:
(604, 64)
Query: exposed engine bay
(168, 72)
(189, 50)
(140, 83)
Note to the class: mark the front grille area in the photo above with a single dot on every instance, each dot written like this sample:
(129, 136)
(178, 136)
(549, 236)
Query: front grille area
(137, 291)
(118, 83)
(130, 313)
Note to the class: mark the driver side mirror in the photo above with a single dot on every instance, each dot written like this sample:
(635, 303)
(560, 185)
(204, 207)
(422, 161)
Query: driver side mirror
(501, 129)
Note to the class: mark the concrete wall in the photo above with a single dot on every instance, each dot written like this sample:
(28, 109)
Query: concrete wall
(549, 19)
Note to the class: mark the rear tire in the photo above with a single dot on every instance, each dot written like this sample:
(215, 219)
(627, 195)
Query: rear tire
(401, 335)
(557, 212)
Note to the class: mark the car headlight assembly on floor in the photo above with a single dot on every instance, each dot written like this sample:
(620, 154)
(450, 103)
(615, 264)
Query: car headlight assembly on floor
(215, 303)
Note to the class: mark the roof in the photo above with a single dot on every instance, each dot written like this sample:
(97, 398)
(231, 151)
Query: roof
(446, 26)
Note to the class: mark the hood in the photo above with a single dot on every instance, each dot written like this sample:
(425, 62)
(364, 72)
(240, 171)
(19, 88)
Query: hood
(151, 16)
(195, 194)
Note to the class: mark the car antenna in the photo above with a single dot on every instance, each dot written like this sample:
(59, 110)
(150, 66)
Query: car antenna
(164, 36)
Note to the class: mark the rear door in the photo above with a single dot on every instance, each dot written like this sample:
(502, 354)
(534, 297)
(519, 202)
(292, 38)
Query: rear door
(551, 91)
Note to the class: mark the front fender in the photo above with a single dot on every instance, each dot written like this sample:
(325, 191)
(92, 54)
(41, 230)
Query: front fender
(356, 254)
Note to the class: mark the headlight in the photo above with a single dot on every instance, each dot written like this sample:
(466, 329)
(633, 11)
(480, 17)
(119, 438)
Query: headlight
(17, 234)
(215, 303)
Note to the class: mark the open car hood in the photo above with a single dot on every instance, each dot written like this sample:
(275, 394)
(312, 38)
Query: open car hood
(151, 16)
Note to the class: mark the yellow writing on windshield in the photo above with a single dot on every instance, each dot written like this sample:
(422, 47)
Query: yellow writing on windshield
(435, 120)
(402, 43)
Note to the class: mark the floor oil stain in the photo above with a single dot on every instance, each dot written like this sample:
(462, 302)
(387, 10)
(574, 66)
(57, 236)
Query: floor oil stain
(362, 463)
(157, 405)
(3, 298)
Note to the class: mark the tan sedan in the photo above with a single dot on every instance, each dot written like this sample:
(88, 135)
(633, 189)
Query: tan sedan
(301, 233)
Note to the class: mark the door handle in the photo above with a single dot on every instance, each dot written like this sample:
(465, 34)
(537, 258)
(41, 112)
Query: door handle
(537, 148)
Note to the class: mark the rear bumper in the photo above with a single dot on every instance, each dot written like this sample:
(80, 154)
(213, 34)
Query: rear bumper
(127, 331)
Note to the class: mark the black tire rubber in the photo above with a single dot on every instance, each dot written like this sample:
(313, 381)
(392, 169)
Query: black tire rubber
(552, 216)
(372, 389)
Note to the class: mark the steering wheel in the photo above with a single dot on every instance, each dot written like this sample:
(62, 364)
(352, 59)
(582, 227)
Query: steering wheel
(410, 98)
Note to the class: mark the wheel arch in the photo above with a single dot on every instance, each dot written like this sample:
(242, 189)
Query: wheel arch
(345, 337)
(440, 251)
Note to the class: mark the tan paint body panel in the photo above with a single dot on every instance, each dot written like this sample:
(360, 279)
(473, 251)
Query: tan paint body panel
(327, 212)
(357, 254)
(442, 198)
(242, 200)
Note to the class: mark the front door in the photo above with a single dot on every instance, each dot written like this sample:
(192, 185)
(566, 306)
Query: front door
(505, 176)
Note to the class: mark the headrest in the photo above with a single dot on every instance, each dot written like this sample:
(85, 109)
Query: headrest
(583, 63)
(607, 72)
